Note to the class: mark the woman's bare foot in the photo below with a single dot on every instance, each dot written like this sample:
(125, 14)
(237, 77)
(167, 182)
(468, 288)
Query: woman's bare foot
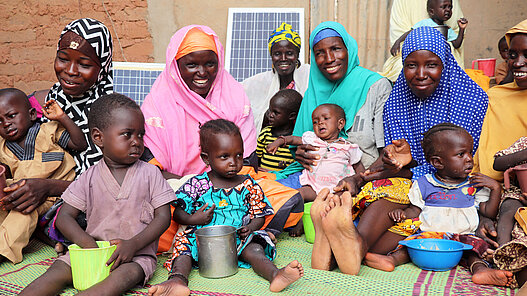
(380, 262)
(173, 287)
(347, 245)
(286, 276)
(60, 249)
(484, 275)
(321, 256)
(298, 230)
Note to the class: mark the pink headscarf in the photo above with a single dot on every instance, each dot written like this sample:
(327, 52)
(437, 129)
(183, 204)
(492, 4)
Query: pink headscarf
(174, 113)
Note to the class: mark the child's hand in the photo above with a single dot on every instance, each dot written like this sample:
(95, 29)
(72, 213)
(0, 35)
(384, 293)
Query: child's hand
(124, 253)
(395, 48)
(244, 232)
(480, 180)
(397, 215)
(462, 23)
(52, 110)
(202, 216)
(273, 147)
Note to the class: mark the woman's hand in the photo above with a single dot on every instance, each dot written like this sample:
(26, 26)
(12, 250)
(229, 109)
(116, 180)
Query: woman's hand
(397, 154)
(52, 110)
(124, 252)
(353, 184)
(202, 216)
(306, 159)
(25, 195)
(487, 231)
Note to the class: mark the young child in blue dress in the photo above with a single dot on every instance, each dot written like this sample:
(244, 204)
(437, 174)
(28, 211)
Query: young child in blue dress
(222, 197)
(447, 203)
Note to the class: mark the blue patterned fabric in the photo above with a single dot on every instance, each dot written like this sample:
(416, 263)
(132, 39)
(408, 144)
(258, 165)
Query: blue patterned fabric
(457, 99)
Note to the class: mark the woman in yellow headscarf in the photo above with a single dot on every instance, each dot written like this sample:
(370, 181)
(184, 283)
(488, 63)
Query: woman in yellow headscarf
(287, 73)
(504, 124)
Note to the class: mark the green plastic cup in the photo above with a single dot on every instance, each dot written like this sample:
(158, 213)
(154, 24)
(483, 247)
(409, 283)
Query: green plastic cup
(309, 229)
(88, 266)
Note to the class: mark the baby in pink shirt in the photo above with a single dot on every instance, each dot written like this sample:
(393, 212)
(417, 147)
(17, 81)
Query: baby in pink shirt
(339, 158)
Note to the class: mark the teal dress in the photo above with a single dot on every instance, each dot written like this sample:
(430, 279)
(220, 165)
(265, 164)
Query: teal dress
(234, 207)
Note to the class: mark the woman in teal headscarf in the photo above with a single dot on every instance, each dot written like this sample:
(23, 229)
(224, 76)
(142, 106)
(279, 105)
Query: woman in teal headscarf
(338, 79)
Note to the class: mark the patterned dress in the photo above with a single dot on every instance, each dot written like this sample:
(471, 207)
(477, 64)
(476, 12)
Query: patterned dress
(234, 206)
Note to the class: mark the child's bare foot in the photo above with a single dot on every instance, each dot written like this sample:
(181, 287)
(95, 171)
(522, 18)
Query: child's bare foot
(173, 287)
(380, 262)
(60, 249)
(286, 276)
(488, 276)
(298, 230)
(271, 236)
(346, 243)
(488, 255)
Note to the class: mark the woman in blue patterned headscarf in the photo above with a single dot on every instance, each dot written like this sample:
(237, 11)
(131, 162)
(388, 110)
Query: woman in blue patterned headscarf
(431, 89)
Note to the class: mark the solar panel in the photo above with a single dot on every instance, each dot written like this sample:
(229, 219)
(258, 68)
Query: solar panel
(247, 32)
(135, 79)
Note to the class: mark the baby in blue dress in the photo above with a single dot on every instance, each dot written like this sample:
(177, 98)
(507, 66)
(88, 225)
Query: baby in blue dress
(222, 197)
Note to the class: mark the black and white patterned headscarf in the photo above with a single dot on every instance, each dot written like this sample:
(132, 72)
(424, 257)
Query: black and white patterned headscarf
(77, 108)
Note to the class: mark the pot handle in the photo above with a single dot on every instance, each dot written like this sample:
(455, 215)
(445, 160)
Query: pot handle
(506, 178)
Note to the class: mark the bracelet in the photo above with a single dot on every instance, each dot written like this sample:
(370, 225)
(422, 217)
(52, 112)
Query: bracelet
(178, 275)
(476, 262)
(283, 138)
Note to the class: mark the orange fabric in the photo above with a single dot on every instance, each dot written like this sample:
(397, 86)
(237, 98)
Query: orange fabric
(165, 241)
(196, 40)
(276, 193)
(481, 79)
(156, 163)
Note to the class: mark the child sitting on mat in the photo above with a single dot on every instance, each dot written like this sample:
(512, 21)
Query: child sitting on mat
(338, 157)
(126, 200)
(447, 203)
(222, 197)
(31, 149)
(281, 115)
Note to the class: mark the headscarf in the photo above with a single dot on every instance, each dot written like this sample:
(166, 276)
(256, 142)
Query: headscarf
(505, 121)
(349, 92)
(284, 32)
(174, 113)
(98, 36)
(196, 40)
(457, 99)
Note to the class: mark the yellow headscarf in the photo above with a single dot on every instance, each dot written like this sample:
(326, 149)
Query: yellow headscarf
(505, 121)
(284, 32)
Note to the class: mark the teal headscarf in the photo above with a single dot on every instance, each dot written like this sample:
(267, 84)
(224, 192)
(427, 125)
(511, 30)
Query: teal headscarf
(349, 92)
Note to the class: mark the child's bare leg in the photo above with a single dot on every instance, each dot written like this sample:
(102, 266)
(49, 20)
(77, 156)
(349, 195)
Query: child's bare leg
(374, 223)
(346, 243)
(120, 280)
(298, 230)
(51, 282)
(177, 285)
(308, 194)
(279, 279)
(484, 275)
(321, 256)
(506, 222)
(387, 262)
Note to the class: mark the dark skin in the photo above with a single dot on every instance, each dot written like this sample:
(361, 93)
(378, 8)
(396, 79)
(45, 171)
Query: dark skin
(120, 149)
(284, 56)
(225, 160)
(76, 72)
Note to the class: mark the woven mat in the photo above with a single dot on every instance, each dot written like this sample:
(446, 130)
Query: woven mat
(405, 280)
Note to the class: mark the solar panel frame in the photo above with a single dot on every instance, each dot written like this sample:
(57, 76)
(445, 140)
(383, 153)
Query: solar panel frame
(248, 29)
(135, 79)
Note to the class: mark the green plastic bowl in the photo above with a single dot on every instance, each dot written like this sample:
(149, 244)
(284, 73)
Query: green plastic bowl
(88, 266)
(309, 229)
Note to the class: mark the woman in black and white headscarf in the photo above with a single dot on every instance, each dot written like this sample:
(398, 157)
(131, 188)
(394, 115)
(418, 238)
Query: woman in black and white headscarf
(83, 66)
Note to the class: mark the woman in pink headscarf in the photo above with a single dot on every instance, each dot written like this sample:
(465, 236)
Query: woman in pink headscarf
(193, 89)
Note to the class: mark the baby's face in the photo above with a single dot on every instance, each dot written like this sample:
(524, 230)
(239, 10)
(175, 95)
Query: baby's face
(15, 118)
(455, 151)
(326, 123)
(441, 10)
